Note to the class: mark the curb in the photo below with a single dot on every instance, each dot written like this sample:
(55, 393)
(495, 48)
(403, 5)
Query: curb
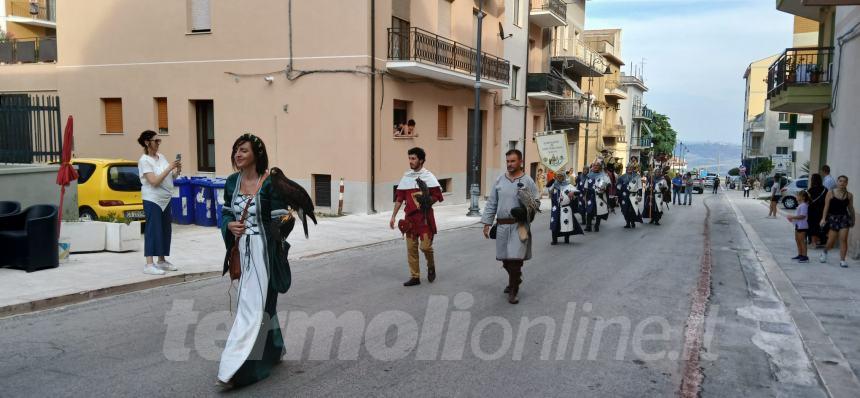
(833, 370)
(87, 295)
(74, 298)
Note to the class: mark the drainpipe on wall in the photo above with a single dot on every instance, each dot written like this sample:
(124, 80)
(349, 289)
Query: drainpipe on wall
(372, 107)
(526, 96)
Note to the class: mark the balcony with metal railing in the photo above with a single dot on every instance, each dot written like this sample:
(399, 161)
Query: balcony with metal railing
(41, 13)
(603, 44)
(422, 53)
(799, 81)
(568, 113)
(640, 142)
(548, 13)
(630, 80)
(573, 56)
(28, 51)
(544, 86)
(612, 90)
(642, 112)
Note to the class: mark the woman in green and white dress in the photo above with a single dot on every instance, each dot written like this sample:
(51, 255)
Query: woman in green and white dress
(255, 343)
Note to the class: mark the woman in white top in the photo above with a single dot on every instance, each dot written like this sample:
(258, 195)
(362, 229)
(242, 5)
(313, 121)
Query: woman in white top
(156, 179)
(775, 195)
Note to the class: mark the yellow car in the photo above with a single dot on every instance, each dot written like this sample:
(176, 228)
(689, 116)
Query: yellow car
(108, 188)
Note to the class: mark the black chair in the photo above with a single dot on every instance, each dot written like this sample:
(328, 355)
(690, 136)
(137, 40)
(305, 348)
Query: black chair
(28, 240)
(8, 208)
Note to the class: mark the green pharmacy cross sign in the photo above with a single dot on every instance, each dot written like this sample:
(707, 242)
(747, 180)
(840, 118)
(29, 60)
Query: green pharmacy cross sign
(793, 126)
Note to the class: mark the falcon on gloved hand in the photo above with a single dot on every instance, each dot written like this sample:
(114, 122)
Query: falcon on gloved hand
(297, 200)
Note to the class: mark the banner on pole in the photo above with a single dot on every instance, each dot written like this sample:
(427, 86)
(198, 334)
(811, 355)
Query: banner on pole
(553, 150)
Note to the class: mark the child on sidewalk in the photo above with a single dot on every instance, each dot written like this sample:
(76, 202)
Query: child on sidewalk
(801, 226)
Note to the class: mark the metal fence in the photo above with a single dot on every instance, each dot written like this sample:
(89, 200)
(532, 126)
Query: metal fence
(30, 128)
(26, 51)
(419, 45)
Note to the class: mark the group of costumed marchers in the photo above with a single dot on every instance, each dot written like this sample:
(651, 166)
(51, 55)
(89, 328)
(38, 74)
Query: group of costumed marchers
(600, 191)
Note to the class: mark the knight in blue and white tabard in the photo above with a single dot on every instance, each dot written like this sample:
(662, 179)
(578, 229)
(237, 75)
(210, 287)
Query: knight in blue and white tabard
(629, 195)
(562, 222)
(654, 192)
(593, 188)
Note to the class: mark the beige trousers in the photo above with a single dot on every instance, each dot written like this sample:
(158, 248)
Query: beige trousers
(426, 246)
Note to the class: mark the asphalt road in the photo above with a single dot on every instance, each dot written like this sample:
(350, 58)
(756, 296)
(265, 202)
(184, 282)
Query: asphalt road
(626, 294)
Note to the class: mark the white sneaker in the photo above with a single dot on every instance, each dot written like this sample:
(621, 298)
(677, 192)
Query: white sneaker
(151, 269)
(823, 257)
(843, 264)
(166, 266)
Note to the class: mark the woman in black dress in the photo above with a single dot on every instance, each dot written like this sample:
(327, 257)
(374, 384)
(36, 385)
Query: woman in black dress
(817, 194)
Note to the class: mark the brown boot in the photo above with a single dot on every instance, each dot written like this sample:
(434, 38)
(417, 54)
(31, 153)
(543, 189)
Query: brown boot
(514, 280)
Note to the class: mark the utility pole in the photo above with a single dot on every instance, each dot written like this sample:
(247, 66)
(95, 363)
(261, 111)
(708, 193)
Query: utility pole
(474, 138)
(588, 113)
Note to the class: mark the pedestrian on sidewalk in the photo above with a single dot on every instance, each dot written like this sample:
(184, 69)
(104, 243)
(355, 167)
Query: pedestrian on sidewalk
(747, 187)
(677, 184)
(512, 219)
(716, 185)
(775, 195)
(817, 194)
(839, 216)
(827, 179)
(688, 189)
(156, 188)
(419, 189)
(801, 226)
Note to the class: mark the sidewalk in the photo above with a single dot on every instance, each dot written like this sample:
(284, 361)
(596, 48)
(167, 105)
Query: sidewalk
(197, 251)
(827, 306)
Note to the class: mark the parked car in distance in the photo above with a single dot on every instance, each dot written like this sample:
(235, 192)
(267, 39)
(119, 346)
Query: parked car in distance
(108, 187)
(768, 184)
(698, 185)
(789, 192)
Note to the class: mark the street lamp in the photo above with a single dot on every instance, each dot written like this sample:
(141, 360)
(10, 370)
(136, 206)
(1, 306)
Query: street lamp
(474, 152)
(590, 99)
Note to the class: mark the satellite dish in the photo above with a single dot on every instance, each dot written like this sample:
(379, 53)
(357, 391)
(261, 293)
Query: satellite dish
(502, 32)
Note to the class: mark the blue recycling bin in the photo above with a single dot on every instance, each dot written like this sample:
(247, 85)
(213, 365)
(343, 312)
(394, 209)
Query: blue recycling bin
(218, 197)
(182, 202)
(204, 206)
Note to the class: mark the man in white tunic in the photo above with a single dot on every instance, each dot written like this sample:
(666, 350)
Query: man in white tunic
(513, 234)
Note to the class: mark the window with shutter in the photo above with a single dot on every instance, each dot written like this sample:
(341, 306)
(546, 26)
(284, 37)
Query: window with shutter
(322, 190)
(200, 17)
(113, 115)
(444, 122)
(161, 114)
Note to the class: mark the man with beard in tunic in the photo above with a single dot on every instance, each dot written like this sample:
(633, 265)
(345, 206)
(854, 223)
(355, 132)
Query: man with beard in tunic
(513, 220)
(562, 222)
(629, 194)
(593, 188)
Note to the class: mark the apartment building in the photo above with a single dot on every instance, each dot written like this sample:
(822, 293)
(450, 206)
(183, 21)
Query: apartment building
(328, 85)
(824, 81)
(28, 46)
(611, 132)
(635, 115)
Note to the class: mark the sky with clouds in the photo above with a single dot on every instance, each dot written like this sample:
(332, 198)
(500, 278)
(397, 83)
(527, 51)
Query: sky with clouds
(696, 52)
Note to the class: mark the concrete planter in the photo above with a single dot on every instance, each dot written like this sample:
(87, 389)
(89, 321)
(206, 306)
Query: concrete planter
(83, 236)
(121, 237)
